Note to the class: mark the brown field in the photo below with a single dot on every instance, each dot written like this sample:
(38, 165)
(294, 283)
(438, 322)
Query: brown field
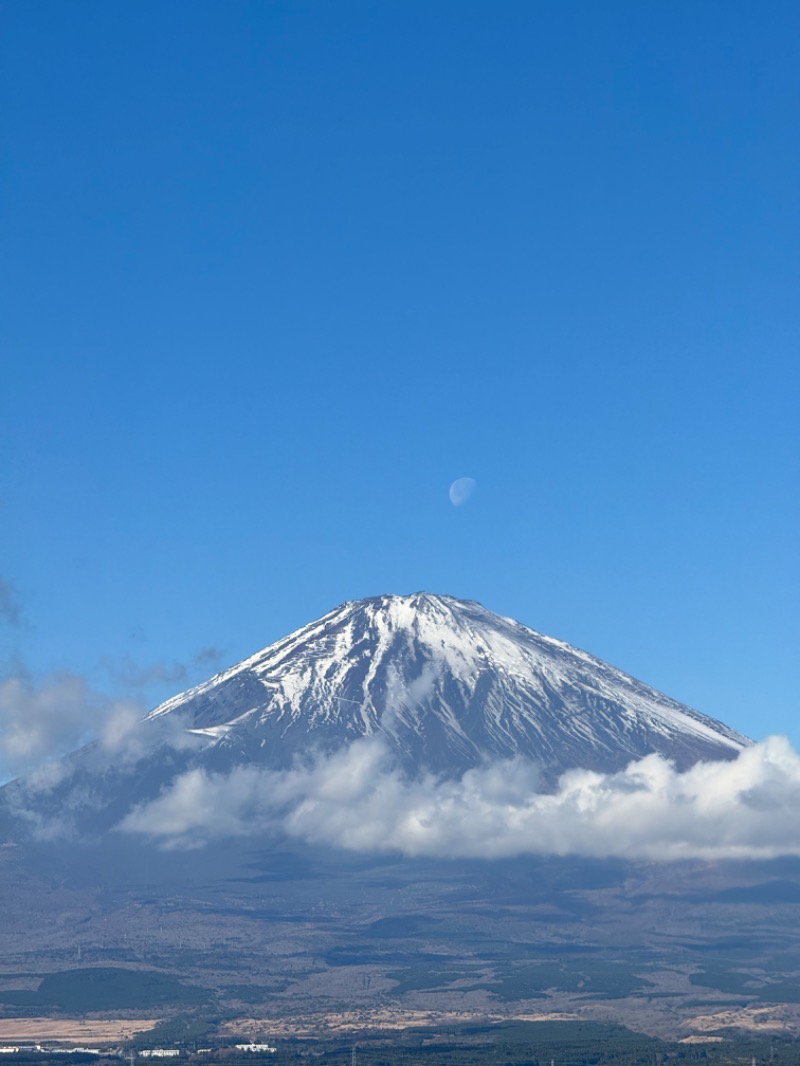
(316, 1024)
(782, 1017)
(71, 1030)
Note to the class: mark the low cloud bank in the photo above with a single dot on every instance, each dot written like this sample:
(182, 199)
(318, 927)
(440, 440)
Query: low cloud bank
(359, 800)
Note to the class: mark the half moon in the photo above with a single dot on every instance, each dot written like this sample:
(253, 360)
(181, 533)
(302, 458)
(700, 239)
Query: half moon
(461, 490)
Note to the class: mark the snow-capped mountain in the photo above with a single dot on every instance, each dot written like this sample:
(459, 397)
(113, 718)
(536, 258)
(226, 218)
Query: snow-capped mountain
(449, 685)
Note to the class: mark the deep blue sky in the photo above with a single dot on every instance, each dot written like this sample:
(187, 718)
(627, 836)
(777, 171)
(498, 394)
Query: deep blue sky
(276, 273)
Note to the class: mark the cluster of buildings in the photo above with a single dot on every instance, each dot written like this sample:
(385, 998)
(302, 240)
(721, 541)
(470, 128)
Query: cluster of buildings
(12, 1049)
(144, 1053)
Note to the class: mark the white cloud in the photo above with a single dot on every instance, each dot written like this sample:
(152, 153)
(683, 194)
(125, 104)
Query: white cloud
(45, 718)
(42, 719)
(357, 799)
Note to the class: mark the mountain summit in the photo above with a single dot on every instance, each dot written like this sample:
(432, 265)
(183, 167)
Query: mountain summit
(449, 685)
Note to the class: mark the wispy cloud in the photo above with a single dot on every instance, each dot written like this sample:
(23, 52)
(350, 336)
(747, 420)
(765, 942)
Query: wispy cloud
(357, 799)
(54, 792)
(41, 720)
(132, 675)
(10, 609)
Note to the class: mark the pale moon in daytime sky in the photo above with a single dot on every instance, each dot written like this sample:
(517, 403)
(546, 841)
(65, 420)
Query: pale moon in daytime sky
(461, 490)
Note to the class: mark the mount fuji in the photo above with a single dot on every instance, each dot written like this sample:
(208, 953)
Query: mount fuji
(444, 685)
(448, 685)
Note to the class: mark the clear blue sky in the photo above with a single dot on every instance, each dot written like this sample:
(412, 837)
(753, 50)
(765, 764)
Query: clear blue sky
(276, 273)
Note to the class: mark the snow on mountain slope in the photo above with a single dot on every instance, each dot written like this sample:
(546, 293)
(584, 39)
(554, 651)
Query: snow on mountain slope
(449, 685)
